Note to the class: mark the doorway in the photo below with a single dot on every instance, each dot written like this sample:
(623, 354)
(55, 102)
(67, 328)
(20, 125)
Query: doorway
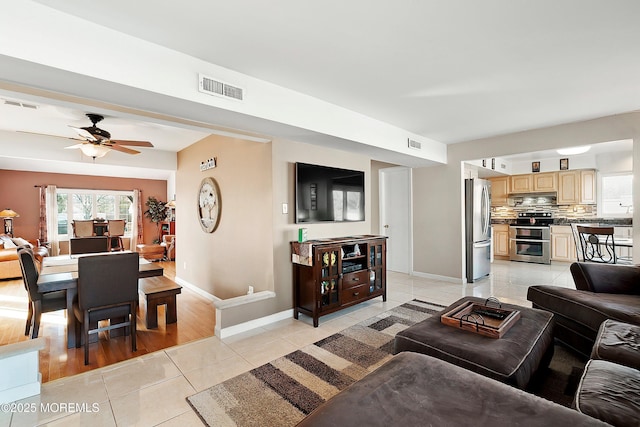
(396, 218)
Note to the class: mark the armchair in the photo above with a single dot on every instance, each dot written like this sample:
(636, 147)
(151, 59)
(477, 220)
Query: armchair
(169, 243)
(107, 289)
(603, 291)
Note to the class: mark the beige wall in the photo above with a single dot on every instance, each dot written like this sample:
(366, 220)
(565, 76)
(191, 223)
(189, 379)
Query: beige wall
(252, 243)
(285, 155)
(239, 253)
(438, 191)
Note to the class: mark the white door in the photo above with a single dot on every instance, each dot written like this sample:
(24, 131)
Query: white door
(395, 217)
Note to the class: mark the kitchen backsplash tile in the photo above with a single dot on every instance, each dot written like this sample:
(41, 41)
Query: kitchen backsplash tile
(570, 212)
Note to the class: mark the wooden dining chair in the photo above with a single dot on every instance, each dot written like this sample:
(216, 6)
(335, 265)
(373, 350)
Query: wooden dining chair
(39, 302)
(115, 231)
(107, 290)
(597, 244)
(82, 228)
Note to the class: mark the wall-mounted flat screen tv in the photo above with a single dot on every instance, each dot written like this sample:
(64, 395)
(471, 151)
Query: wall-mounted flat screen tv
(326, 194)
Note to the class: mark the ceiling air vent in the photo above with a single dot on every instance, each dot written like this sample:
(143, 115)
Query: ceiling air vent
(416, 145)
(20, 104)
(215, 87)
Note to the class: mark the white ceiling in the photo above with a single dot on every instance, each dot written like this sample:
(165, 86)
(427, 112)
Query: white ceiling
(55, 120)
(452, 70)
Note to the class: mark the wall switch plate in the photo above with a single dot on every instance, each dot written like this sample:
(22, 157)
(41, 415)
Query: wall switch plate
(285, 208)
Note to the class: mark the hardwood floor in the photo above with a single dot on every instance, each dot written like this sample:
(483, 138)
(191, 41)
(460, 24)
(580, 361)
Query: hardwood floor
(196, 320)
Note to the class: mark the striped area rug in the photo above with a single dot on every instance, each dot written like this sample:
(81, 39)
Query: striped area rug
(284, 391)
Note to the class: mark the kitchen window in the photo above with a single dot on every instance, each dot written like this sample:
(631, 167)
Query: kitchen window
(92, 204)
(616, 195)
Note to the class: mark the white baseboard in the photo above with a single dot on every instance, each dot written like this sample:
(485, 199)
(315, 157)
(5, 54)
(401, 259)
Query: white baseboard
(252, 324)
(438, 277)
(243, 299)
(196, 289)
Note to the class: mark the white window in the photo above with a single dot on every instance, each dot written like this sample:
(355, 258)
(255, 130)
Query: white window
(616, 195)
(93, 204)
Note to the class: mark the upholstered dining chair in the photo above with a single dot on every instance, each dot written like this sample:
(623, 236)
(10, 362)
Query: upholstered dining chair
(39, 302)
(115, 232)
(107, 289)
(82, 228)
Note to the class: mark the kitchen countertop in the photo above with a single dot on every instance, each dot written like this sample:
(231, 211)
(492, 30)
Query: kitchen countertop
(618, 222)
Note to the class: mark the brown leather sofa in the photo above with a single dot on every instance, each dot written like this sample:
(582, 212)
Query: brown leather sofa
(610, 385)
(9, 264)
(414, 389)
(603, 291)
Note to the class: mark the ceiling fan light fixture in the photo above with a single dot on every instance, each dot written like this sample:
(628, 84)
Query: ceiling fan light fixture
(573, 150)
(94, 150)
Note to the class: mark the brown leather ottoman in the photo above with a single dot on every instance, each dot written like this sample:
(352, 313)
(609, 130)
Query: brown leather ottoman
(152, 252)
(512, 359)
(417, 390)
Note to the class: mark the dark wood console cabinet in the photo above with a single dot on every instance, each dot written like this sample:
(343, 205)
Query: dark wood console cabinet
(331, 274)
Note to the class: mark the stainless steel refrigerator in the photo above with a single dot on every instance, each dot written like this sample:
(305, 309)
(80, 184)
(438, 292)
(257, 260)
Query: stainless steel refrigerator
(478, 228)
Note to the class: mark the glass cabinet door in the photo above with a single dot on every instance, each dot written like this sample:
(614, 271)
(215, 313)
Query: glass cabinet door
(330, 274)
(376, 260)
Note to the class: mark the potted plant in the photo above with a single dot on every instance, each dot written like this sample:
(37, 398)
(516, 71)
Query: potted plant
(156, 212)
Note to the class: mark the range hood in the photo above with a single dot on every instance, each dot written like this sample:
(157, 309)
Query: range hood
(533, 199)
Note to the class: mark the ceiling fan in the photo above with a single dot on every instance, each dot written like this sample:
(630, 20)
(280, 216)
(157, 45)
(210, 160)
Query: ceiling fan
(97, 142)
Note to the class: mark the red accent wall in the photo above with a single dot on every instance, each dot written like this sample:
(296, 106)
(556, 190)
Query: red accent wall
(18, 192)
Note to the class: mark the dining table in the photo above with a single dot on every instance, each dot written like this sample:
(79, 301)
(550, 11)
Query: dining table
(60, 273)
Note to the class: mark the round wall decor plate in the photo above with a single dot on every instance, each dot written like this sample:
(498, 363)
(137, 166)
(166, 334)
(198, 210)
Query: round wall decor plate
(209, 205)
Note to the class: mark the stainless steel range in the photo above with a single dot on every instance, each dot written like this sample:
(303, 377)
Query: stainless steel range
(530, 238)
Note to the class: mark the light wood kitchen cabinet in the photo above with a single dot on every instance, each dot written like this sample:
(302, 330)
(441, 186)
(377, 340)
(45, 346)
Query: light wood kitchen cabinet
(588, 187)
(521, 183)
(547, 181)
(501, 241)
(499, 190)
(577, 187)
(568, 188)
(563, 247)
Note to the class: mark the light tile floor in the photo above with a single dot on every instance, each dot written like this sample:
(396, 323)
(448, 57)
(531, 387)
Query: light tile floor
(151, 390)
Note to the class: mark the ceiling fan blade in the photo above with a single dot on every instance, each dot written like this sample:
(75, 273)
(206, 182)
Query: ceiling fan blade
(131, 143)
(83, 133)
(74, 146)
(48, 134)
(122, 149)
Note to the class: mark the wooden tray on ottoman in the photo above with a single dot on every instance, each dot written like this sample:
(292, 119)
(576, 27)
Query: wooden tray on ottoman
(481, 319)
